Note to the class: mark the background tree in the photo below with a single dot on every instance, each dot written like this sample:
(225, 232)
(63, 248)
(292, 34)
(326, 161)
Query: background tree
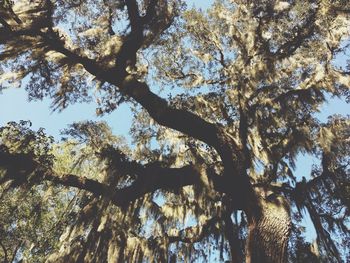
(212, 165)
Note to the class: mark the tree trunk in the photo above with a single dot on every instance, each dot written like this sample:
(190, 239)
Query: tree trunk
(269, 231)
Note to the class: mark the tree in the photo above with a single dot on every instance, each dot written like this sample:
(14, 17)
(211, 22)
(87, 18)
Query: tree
(212, 164)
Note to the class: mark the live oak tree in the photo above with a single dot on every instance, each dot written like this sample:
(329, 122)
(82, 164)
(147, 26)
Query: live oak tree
(223, 102)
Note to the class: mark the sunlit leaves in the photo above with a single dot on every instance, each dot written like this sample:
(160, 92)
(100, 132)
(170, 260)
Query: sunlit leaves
(18, 138)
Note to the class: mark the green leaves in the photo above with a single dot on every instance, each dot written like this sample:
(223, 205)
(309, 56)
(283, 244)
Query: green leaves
(18, 138)
(33, 213)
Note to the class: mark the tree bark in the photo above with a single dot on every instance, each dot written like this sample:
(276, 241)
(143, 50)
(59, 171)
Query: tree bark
(268, 232)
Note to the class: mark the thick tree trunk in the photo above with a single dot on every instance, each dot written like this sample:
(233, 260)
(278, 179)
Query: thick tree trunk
(269, 231)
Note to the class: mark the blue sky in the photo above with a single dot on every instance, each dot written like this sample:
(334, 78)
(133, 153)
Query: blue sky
(14, 106)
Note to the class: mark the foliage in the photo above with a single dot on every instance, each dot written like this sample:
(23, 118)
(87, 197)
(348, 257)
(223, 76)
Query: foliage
(212, 166)
(32, 216)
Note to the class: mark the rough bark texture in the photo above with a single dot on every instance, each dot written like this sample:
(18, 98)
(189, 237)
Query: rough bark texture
(269, 231)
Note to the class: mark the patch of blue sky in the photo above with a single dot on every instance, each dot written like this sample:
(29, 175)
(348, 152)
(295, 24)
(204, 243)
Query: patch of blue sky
(14, 106)
(205, 4)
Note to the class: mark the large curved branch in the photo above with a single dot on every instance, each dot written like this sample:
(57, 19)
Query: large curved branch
(149, 181)
(154, 178)
(19, 166)
(178, 119)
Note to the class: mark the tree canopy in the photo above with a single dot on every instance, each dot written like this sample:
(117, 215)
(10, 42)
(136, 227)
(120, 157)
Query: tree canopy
(224, 100)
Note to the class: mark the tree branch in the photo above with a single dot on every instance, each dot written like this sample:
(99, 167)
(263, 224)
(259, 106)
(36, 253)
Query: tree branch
(5, 24)
(149, 179)
(154, 178)
(133, 13)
